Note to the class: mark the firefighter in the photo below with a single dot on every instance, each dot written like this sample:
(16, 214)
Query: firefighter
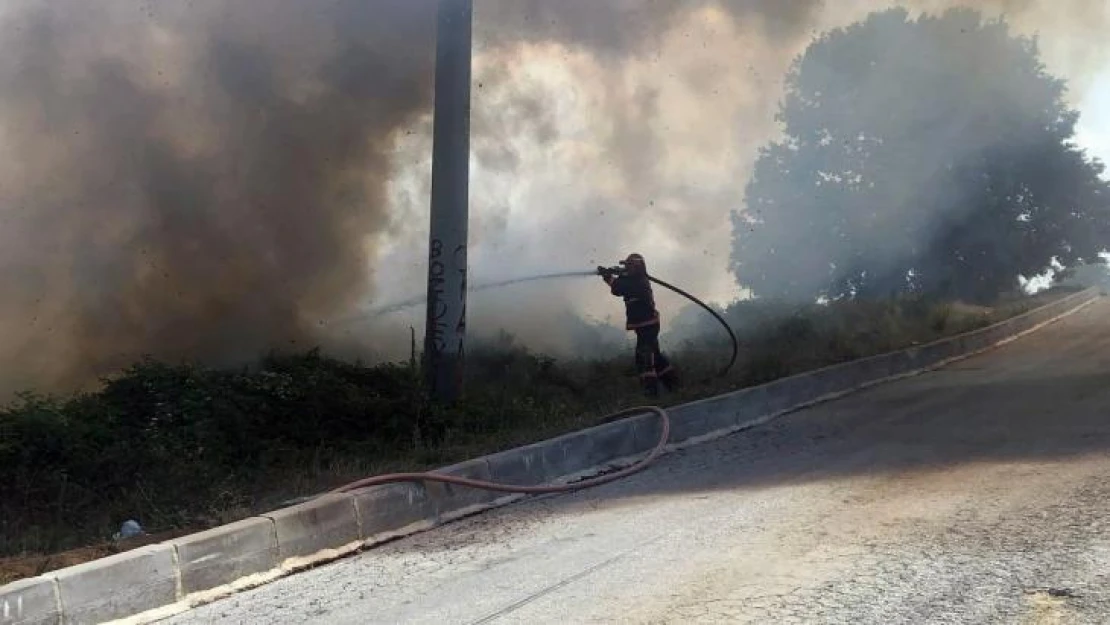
(641, 317)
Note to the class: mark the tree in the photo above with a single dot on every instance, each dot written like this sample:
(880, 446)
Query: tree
(919, 155)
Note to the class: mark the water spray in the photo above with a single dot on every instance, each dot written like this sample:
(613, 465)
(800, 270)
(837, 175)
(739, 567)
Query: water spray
(417, 301)
(600, 271)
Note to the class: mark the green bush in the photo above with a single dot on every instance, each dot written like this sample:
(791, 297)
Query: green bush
(165, 440)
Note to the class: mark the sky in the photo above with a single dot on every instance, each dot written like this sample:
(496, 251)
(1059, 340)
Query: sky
(1094, 123)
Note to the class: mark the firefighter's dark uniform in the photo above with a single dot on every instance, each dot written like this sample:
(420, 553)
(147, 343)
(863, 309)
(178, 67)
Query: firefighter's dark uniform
(643, 319)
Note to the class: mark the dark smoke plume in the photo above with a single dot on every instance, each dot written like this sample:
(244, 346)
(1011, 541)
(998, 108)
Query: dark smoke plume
(203, 181)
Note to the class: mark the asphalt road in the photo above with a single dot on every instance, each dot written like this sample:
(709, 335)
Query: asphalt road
(975, 494)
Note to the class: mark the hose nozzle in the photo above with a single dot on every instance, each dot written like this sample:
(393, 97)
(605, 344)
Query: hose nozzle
(609, 272)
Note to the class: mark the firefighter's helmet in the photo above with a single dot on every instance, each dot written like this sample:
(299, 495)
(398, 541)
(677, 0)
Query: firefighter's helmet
(635, 265)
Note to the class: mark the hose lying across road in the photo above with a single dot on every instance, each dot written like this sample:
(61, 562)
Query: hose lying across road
(664, 435)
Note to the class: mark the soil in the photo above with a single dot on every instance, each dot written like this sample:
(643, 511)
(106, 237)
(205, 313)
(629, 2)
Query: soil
(29, 565)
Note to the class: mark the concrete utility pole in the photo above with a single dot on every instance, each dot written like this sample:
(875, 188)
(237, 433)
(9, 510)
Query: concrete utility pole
(446, 321)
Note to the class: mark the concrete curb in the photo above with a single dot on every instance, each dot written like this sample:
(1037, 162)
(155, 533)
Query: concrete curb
(157, 581)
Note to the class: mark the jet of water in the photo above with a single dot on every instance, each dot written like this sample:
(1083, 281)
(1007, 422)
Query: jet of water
(416, 301)
(546, 276)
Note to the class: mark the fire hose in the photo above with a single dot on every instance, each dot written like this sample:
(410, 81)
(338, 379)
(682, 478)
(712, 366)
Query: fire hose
(664, 436)
(719, 318)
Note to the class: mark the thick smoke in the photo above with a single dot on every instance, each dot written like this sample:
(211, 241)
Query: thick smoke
(212, 179)
(199, 180)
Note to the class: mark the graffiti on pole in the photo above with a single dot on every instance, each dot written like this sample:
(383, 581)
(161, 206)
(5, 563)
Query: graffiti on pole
(460, 265)
(439, 325)
(438, 309)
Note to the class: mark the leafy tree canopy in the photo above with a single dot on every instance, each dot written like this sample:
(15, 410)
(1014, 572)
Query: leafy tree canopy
(919, 155)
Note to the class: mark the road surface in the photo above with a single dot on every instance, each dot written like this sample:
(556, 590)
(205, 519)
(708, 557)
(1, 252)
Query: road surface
(975, 494)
